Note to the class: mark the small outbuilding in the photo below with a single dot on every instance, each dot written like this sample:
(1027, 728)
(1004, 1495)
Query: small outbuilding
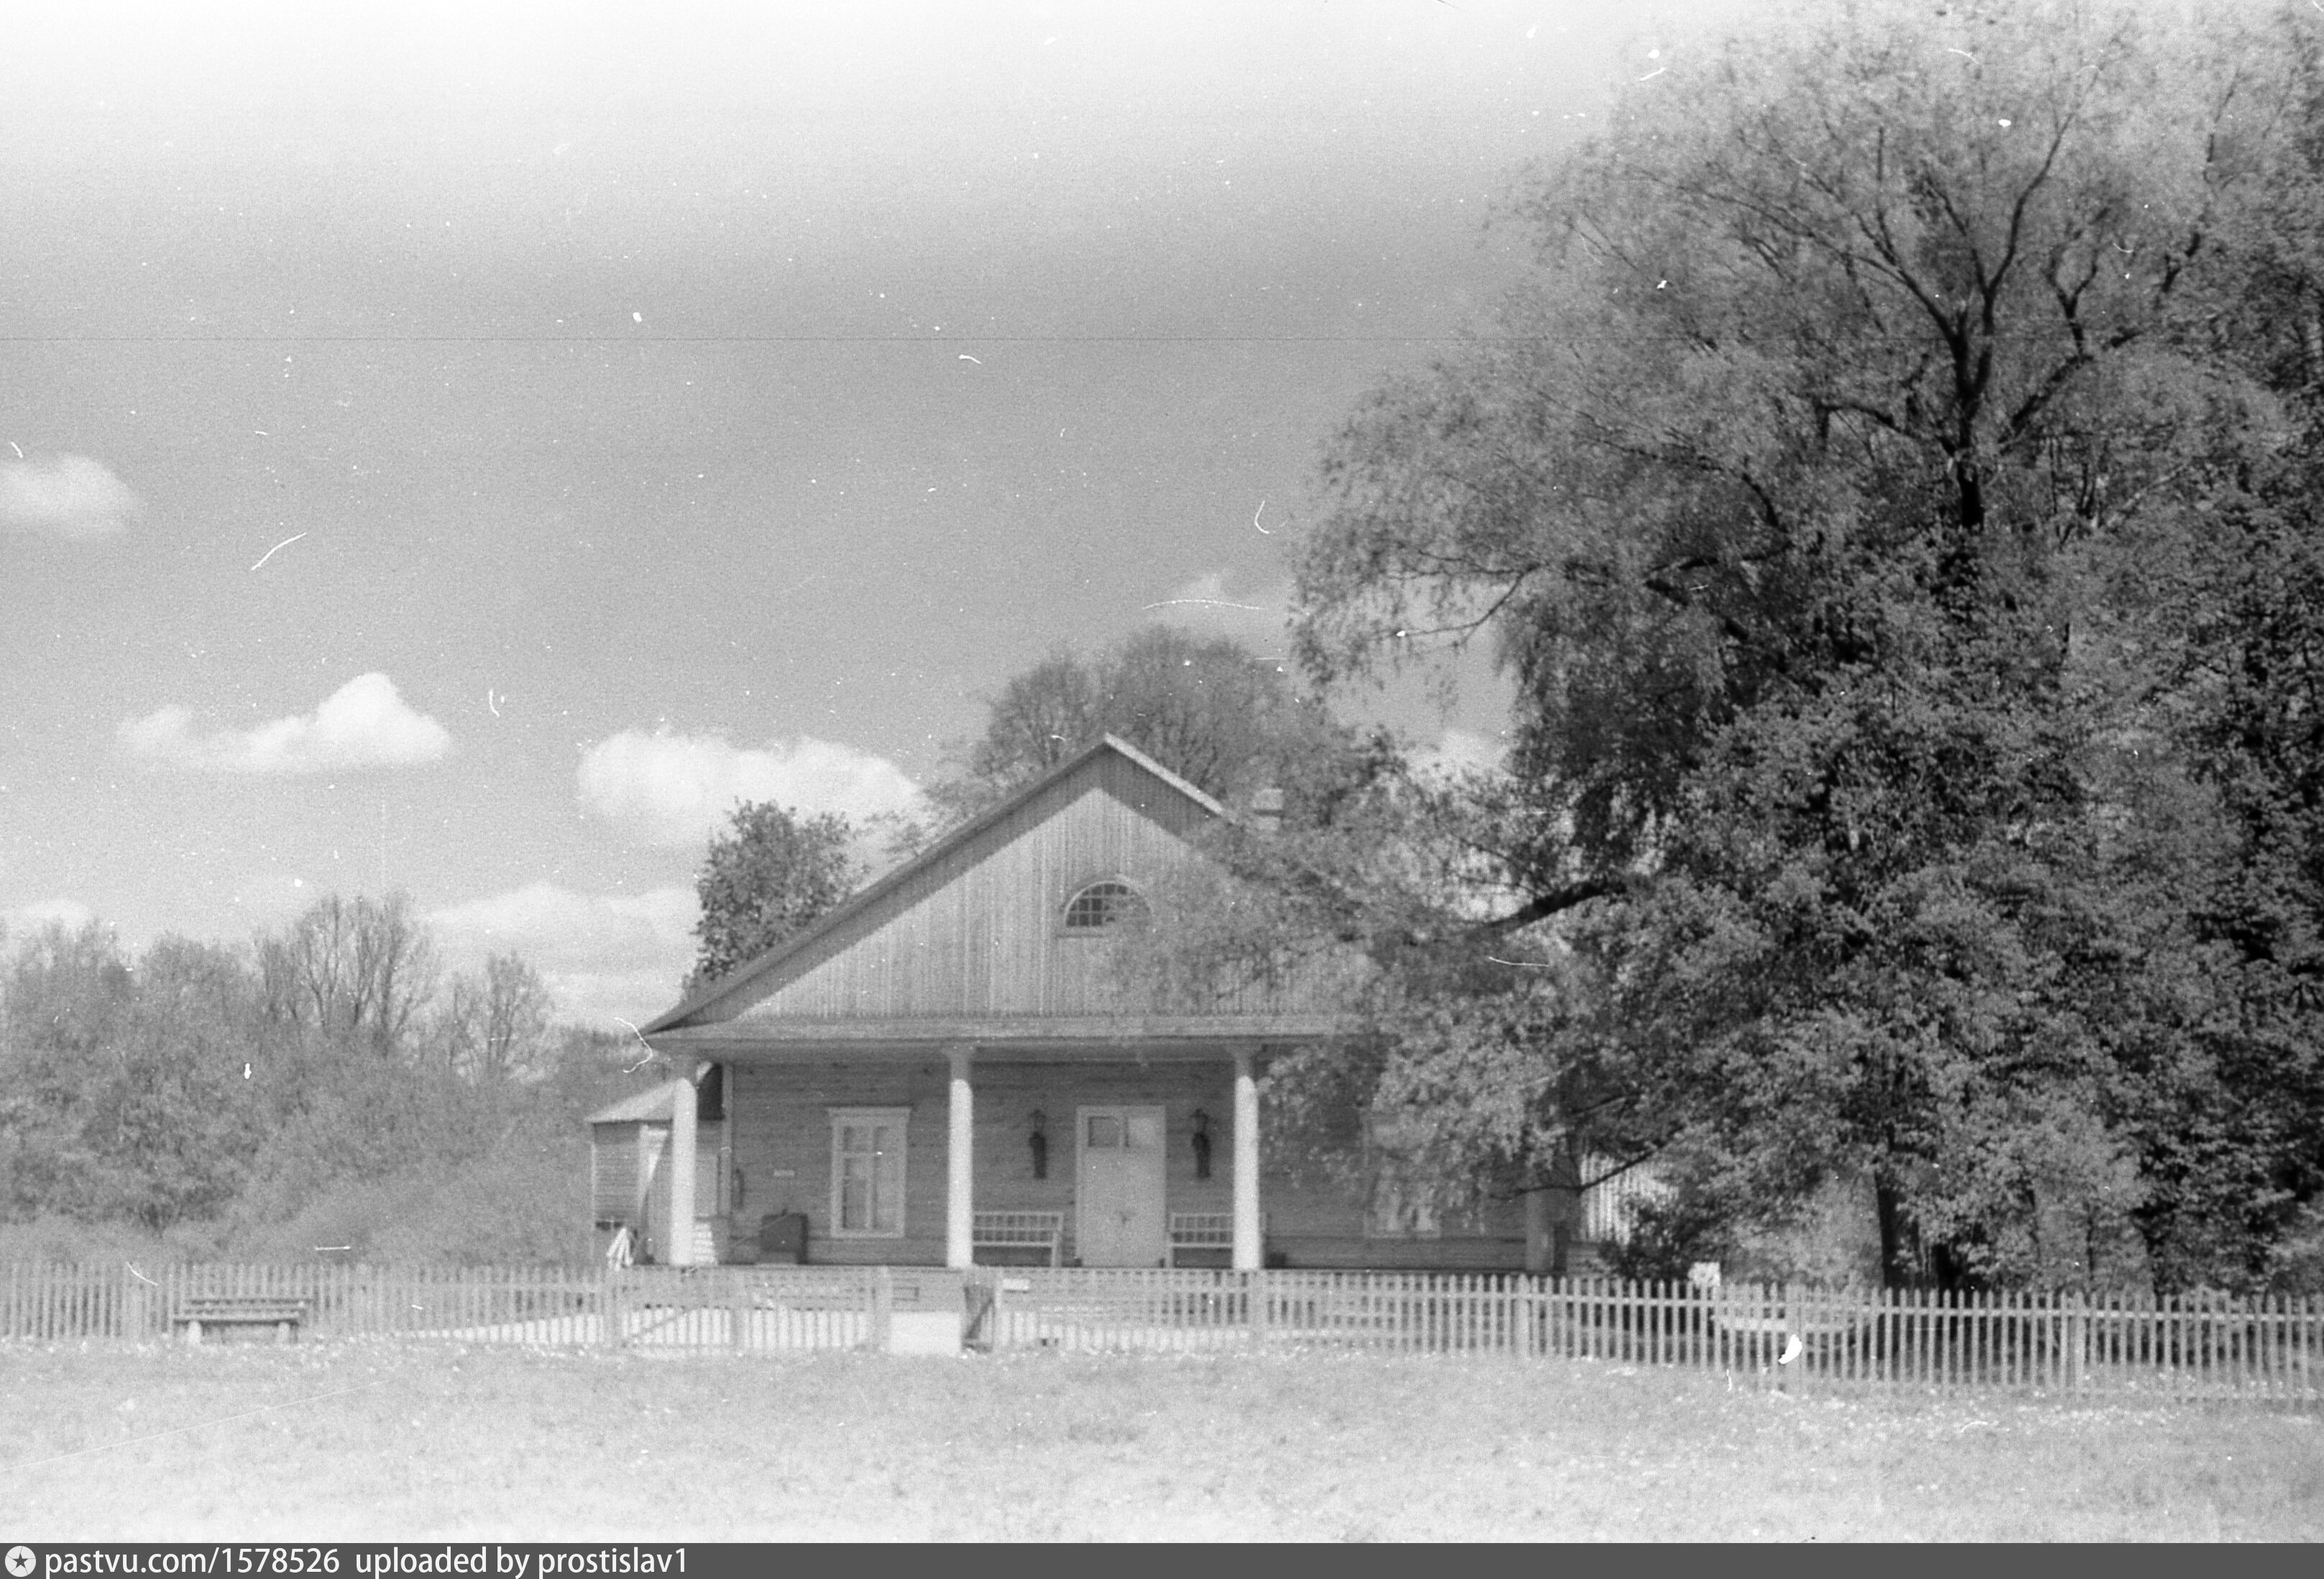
(630, 1179)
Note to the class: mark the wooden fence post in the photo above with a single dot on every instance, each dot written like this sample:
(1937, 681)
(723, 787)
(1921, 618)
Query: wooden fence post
(2076, 1343)
(612, 1324)
(2301, 1336)
(1255, 1293)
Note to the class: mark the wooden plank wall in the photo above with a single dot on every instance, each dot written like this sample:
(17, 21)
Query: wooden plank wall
(782, 1151)
(613, 1170)
(979, 932)
(782, 1148)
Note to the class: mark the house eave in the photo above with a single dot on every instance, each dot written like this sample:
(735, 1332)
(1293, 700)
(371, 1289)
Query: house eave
(1044, 1039)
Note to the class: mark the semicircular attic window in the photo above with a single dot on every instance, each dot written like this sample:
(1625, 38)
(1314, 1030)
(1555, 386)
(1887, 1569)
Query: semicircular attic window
(1102, 905)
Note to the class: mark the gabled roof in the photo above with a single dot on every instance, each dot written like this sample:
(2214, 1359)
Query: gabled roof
(743, 977)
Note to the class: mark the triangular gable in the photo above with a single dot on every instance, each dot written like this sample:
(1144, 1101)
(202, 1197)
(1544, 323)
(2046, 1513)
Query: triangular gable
(969, 926)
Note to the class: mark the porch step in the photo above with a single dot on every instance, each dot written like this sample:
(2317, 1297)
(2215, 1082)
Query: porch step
(705, 1243)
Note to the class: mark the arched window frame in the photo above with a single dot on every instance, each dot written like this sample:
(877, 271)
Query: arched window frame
(1129, 901)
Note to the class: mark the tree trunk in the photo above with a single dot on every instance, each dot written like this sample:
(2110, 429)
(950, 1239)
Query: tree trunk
(2157, 1226)
(1553, 1212)
(1900, 1258)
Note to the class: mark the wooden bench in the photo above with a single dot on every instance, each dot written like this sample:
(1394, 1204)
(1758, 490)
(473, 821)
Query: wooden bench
(1041, 1230)
(1203, 1231)
(215, 1310)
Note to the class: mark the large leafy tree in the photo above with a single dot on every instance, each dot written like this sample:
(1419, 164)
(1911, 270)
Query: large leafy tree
(1833, 496)
(2240, 1160)
(1210, 710)
(770, 873)
(171, 1113)
(127, 1095)
(69, 996)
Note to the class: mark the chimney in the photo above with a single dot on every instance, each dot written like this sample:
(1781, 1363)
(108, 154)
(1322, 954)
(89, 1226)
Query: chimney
(1267, 810)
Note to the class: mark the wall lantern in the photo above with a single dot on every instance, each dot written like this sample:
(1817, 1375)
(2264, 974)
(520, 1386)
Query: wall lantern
(1039, 1142)
(1201, 1144)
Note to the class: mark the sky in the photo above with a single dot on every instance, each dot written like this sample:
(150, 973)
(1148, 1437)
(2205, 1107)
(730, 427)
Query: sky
(464, 449)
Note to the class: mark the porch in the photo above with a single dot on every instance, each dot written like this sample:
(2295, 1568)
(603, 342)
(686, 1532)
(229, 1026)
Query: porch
(1050, 1158)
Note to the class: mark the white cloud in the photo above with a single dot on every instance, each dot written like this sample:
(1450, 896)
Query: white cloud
(607, 958)
(676, 789)
(68, 496)
(19, 919)
(362, 724)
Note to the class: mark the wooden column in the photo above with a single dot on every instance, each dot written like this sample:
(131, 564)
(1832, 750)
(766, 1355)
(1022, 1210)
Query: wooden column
(1248, 1254)
(682, 1112)
(960, 1158)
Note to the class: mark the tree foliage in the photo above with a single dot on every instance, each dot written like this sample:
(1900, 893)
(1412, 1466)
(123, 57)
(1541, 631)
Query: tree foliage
(207, 1083)
(770, 873)
(1210, 711)
(1891, 499)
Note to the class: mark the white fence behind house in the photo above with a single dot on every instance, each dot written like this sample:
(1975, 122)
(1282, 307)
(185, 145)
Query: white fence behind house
(2209, 1346)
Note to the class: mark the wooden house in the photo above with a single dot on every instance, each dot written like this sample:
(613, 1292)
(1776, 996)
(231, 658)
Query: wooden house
(943, 1071)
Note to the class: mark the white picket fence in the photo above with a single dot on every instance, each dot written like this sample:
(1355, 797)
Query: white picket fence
(2209, 1345)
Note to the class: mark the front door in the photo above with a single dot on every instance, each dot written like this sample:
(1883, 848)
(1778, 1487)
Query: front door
(1118, 1186)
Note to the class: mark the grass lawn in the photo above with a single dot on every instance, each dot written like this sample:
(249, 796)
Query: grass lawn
(365, 1441)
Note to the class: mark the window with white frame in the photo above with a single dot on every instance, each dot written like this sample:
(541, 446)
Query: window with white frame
(1400, 1204)
(1100, 906)
(867, 1172)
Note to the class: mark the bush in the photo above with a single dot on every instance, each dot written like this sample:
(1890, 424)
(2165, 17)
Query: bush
(2298, 1261)
(524, 1204)
(54, 1237)
(1669, 1237)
